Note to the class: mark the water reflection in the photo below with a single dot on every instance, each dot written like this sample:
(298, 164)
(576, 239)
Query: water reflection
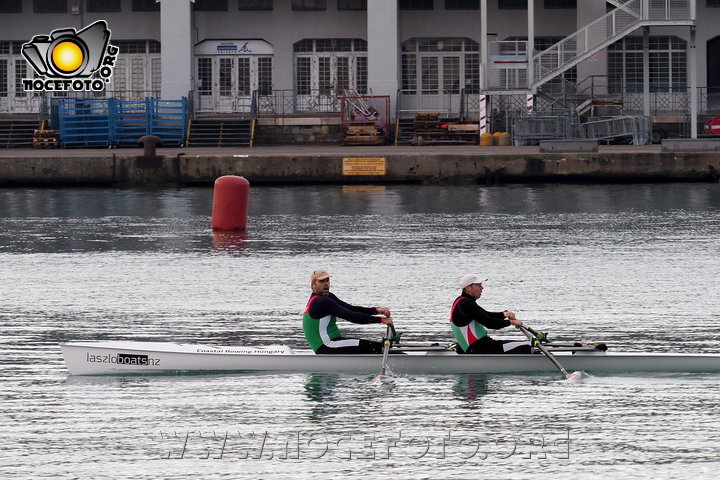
(470, 389)
(321, 394)
(230, 241)
(357, 218)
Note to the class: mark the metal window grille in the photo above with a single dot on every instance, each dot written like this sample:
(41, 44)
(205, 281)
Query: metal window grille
(668, 64)
(137, 74)
(225, 76)
(451, 74)
(343, 73)
(119, 75)
(460, 68)
(20, 73)
(156, 74)
(153, 46)
(302, 80)
(429, 76)
(204, 73)
(3, 77)
(472, 73)
(409, 73)
(131, 46)
(324, 75)
(243, 76)
(265, 75)
(361, 75)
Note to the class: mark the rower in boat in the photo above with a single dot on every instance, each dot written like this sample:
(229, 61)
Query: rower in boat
(322, 311)
(470, 322)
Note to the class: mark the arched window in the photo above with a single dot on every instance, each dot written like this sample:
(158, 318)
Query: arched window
(330, 65)
(668, 64)
(440, 65)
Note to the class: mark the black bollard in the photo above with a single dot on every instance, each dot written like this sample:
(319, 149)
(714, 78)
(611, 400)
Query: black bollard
(149, 143)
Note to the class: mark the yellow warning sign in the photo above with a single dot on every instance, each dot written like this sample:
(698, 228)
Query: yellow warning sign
(363, 166)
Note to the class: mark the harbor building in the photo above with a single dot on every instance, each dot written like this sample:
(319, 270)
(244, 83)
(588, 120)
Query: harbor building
(287, 65)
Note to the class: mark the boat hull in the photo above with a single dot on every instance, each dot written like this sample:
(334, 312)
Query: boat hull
(119, 358)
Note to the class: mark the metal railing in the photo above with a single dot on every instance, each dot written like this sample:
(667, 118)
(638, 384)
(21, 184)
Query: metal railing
(673, 103)
(281, 103)
(411, 101)
(591, 38)
(599, 34)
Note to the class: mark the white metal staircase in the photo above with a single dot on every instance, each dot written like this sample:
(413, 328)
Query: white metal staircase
(628, 16)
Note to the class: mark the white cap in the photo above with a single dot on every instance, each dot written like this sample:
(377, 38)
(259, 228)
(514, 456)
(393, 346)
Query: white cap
(469, 279)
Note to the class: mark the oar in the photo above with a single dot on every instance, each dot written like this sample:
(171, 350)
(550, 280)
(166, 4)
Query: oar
(547, 353)
(387, 341)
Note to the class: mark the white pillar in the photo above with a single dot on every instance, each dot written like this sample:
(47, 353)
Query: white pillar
(483, 44)
(646, 71)
(383, 49)
(587, 12)
(531, 43)
(177, 49)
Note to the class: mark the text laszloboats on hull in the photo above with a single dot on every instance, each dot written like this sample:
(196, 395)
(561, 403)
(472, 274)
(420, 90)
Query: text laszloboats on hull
(125, 357)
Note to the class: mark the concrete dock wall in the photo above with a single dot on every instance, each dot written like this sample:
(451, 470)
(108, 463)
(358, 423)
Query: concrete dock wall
(418, 167)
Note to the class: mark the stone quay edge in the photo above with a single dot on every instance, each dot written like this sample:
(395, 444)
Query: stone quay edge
(289, 165)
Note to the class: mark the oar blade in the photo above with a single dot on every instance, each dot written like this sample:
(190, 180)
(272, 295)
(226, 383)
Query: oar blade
(576, 376)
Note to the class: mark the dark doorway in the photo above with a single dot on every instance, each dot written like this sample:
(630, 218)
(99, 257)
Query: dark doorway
(713, 74)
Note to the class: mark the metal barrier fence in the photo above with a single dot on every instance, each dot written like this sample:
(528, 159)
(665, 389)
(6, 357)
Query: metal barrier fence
(105, 122)
(637, 127)
(529, 130)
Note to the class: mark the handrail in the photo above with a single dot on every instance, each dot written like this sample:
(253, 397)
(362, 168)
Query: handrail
(600, 33)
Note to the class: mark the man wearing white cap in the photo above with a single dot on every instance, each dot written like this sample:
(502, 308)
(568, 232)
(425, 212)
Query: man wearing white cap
(322, 311)
(470, 322)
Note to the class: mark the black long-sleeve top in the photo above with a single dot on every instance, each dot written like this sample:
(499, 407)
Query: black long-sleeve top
(466, 310)
(332, 305)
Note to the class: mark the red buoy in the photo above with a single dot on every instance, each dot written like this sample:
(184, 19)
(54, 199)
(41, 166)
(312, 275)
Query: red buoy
(230, 203)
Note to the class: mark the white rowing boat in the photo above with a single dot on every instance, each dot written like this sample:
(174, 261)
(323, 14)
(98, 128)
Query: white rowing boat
(124, 357)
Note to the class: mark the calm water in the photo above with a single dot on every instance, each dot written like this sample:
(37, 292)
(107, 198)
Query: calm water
(634, 266)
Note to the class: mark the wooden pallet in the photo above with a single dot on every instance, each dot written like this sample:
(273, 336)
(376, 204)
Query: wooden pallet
(45, 139)
(365, 133)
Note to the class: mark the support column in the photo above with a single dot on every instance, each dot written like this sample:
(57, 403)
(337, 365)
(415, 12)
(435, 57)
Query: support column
(483, 44)
(383, 49)
(531, 43)
(693, 84)
(587, 12)
(646, 71)
(177, 49)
